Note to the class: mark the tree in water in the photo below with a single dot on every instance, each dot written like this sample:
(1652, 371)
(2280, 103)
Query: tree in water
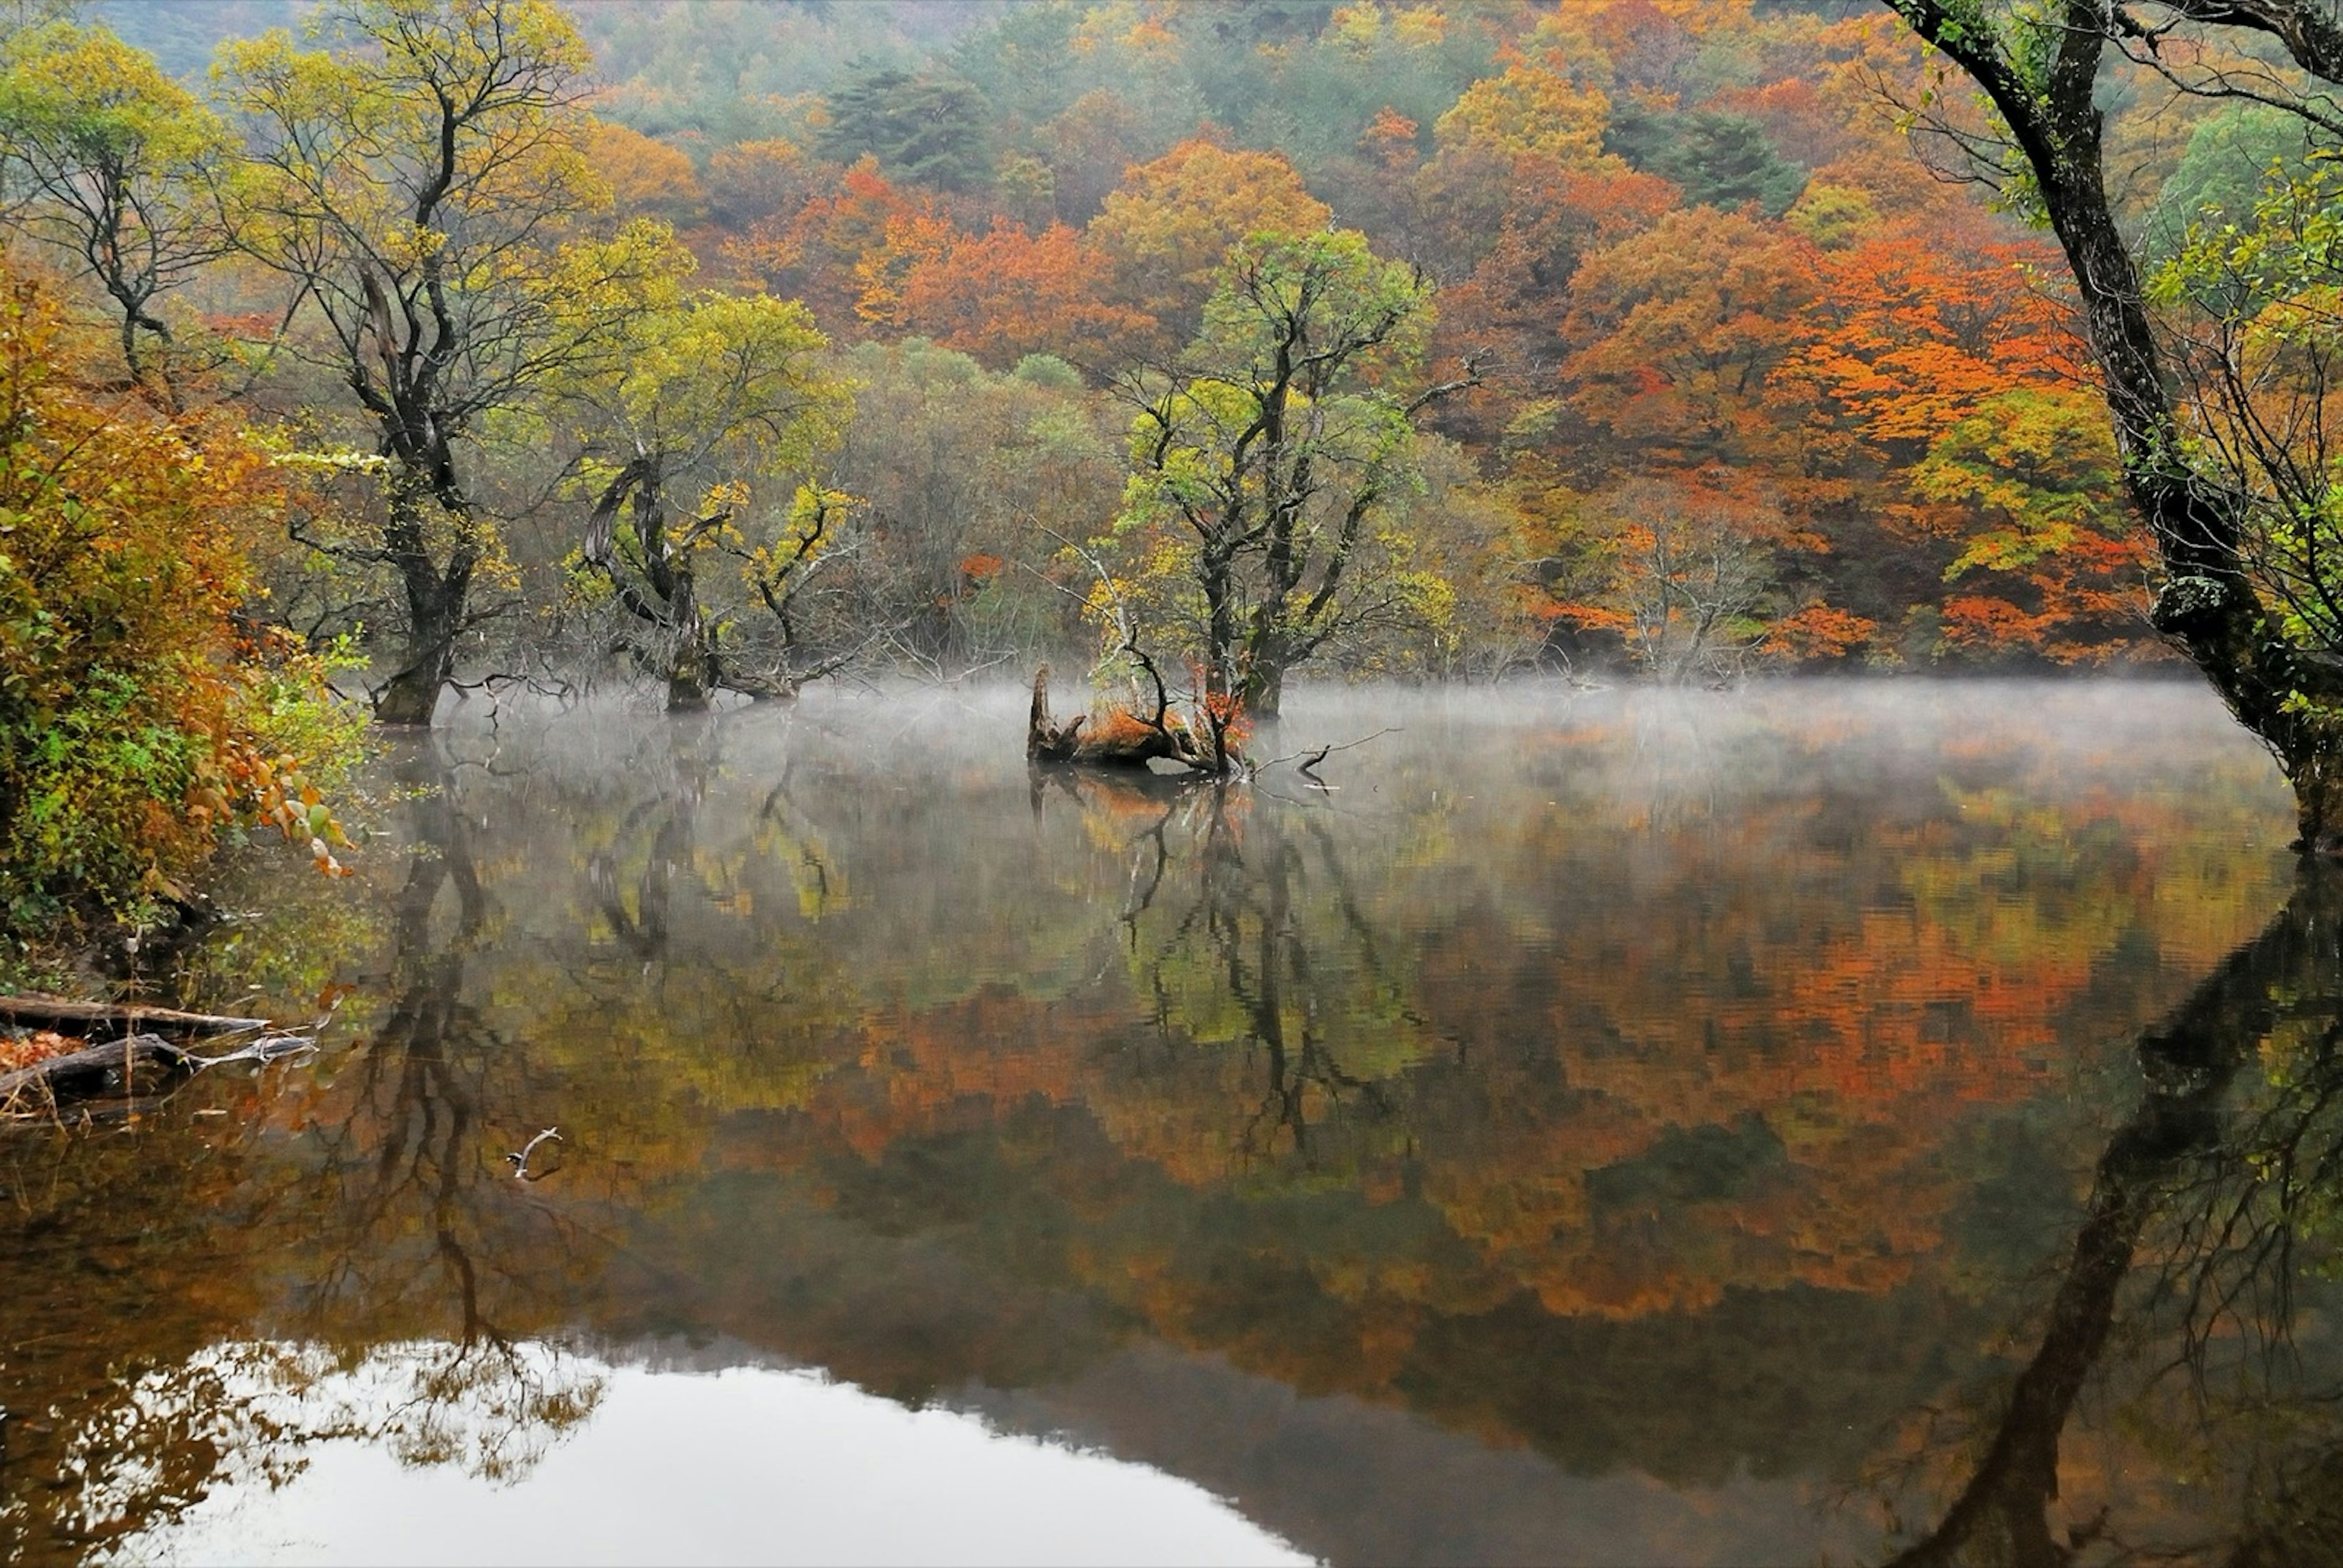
(1269, 466)
(703, 437)
(420, 179)
(2236, 521)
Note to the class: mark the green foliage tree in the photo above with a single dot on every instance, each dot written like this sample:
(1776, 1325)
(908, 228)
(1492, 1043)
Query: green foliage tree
(966, 480)
(2039, 69)
(419, 180)
(114, 167)
(1720, 160)
(704, 437)
(2221, 171)
(930, 130)
(1265, 469)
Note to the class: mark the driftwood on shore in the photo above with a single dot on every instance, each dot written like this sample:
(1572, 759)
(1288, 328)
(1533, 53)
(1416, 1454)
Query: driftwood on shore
(121, 1066)
(1122, 740)
(84, 1017)
(128, 1053)
(122, 1069)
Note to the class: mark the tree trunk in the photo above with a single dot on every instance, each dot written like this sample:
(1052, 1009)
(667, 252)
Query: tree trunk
(1215, 576)
(88, 1019)
(411, 694)
(435, 605)
(689, 689)
(2208, 604)
(692, 673)
(1122, 739)
(121, 1065)
(1264, 692)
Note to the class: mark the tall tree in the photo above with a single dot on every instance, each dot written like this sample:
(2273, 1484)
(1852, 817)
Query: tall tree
(930, 130)
(419, 179)
(704, 437)
(2040, 67)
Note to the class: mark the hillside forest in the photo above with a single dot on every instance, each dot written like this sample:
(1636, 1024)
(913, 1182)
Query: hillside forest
(358, 355)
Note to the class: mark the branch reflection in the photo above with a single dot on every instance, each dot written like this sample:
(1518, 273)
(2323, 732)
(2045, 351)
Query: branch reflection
(2207, 1208)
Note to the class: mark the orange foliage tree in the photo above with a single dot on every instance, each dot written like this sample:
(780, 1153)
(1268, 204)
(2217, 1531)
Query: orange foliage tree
(1005, 293)
(141, 718)
(649, 177)
(1165, 231)
(845, 251)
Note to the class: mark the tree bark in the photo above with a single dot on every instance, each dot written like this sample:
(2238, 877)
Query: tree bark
(436, 604)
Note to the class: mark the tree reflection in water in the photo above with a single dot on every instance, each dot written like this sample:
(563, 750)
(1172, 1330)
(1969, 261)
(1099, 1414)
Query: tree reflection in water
(428, 1233)
(407, 1251)
(1659, 1130)
(1246, 904)
(2207, 1210)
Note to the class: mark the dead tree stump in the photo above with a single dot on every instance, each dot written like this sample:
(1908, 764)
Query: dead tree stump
(1121, 739)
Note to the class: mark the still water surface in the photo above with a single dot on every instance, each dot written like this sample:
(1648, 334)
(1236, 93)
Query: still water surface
(1796, 1125)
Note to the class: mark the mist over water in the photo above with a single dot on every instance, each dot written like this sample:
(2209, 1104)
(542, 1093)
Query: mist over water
(1603, 1126)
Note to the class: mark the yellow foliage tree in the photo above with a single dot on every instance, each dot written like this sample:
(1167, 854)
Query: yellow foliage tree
(704, 436)
(647, 177)
(422, 180)
(1530, 110)
(115, 169)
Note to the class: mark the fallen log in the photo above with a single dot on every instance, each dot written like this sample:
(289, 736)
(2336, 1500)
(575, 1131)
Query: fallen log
(98, 1069)
(79, 1016)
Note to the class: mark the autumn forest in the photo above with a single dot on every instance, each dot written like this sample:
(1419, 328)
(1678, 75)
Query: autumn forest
(1680, 903)
(736, 346)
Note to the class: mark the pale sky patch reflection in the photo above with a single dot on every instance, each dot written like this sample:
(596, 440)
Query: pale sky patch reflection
(750, 1464)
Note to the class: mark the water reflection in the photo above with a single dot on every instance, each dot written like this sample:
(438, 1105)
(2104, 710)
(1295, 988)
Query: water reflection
(2208, 1229)
(750, 1464)
(1616, 1130)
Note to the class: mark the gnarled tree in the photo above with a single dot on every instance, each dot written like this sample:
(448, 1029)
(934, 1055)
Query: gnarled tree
(419, 179)
(2041, 69)
(707, 432)
(1268, 467)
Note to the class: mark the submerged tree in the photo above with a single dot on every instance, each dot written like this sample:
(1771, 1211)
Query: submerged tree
(705, 437)
(2226, 598)
(1680, 577)
(420, 179)
(1269, 468)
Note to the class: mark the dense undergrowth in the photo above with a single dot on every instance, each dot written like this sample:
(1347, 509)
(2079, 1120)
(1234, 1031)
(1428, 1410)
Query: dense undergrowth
(146, 719)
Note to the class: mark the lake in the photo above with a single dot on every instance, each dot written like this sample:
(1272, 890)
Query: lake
(1801, 1123)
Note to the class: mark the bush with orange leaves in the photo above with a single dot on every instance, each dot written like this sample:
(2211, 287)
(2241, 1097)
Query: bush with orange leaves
(143, 721)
